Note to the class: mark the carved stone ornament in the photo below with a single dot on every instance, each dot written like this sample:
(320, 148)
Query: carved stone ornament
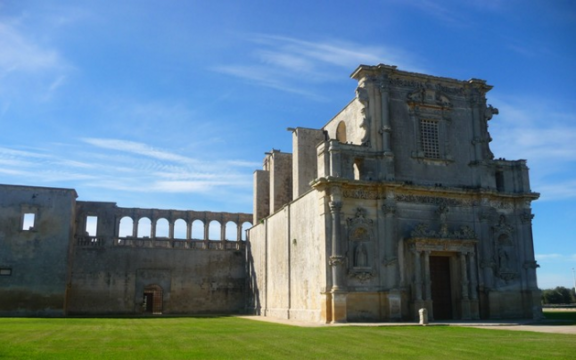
(359, 219)
(508, 276)
(421, 231)
(531, 265)
(360, 194)
(389, 208)
(361, 276)
(432, 200)
(337, 260)
(526, 217)
(430, 97)
(502, 226)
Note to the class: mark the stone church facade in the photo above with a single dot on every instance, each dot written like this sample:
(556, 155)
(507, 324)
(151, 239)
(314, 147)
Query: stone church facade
(396, 204)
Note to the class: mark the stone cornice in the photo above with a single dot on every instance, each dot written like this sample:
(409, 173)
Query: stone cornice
(390, 70)
(380, 188)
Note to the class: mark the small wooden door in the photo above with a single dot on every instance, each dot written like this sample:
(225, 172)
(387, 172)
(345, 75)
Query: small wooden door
(441, 287)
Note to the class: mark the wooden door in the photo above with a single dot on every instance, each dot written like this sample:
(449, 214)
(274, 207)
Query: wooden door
(441, 287)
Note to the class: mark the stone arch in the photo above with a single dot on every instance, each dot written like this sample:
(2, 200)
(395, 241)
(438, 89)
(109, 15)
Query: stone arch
(341, 132)
(357, 167)
(144, 228)
(162, 228)
(180, 228)
(245, 226)
(231, 231)
(198, 230)
(214, 230)
(126, 227)
(152, 302)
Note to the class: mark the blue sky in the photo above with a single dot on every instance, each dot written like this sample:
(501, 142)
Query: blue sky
(172, 104)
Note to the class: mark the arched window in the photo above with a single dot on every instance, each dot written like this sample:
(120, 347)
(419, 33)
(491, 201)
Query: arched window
(144, 227)
(126, 227)
(214, 230)
(245, 226)
(198, 230)
(180, 229)
(357, 169)
(162, 228)
(341, 132)
(231, 231)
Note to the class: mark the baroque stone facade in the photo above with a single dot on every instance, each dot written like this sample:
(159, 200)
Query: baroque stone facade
(396, 204)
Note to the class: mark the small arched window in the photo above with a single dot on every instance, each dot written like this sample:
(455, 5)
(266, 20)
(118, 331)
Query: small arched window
(357, 169)
(341, 132)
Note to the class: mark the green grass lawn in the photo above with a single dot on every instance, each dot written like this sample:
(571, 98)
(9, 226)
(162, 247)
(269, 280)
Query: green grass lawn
(235, 338)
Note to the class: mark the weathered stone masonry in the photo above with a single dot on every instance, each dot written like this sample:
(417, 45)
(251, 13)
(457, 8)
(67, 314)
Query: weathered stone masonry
(56, 268)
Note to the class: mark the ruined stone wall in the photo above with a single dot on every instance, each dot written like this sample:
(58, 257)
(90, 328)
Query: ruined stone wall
(112, 272)
(34, 253)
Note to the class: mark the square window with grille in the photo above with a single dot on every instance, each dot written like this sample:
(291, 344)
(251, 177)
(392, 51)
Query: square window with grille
(429, 138)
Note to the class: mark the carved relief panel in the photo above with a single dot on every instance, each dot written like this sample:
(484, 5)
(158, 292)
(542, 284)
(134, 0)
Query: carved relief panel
(505, 261)
(360, 246)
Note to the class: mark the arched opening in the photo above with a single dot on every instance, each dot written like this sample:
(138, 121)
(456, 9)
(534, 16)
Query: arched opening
(198, 230)
(214, 230)
(245, 227)
(357, 169)
(180, 229)
(152, 299)
(341, 132)
(144, 228)
(231, 231)
(162, 228)
(126, 227)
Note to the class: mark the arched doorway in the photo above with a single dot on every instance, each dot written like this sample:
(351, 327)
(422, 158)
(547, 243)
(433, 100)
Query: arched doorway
(152, 299)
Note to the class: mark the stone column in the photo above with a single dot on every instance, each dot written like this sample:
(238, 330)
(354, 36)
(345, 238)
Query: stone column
(171, 229)
(417, 276)
(390, 253)
(386, 128)
(206, 229)
(238, 232)
(135, 227)
(337, 263)
(222, 231)
(188, 230)
(474, 308)
(418, 303)
(153, 222)
(464, 282)
(529, 262)
(427, 283)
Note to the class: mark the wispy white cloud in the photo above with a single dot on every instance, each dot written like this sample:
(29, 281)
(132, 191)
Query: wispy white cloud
(29, 70)
(138, 149)
(290, 64)
(21, 54)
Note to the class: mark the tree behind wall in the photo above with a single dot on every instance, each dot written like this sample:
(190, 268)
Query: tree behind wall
(559, 295)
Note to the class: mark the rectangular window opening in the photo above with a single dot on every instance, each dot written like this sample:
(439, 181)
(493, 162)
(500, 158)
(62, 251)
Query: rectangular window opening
(429, 138)
(91, 225)
(28, 221)
(5, 272)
